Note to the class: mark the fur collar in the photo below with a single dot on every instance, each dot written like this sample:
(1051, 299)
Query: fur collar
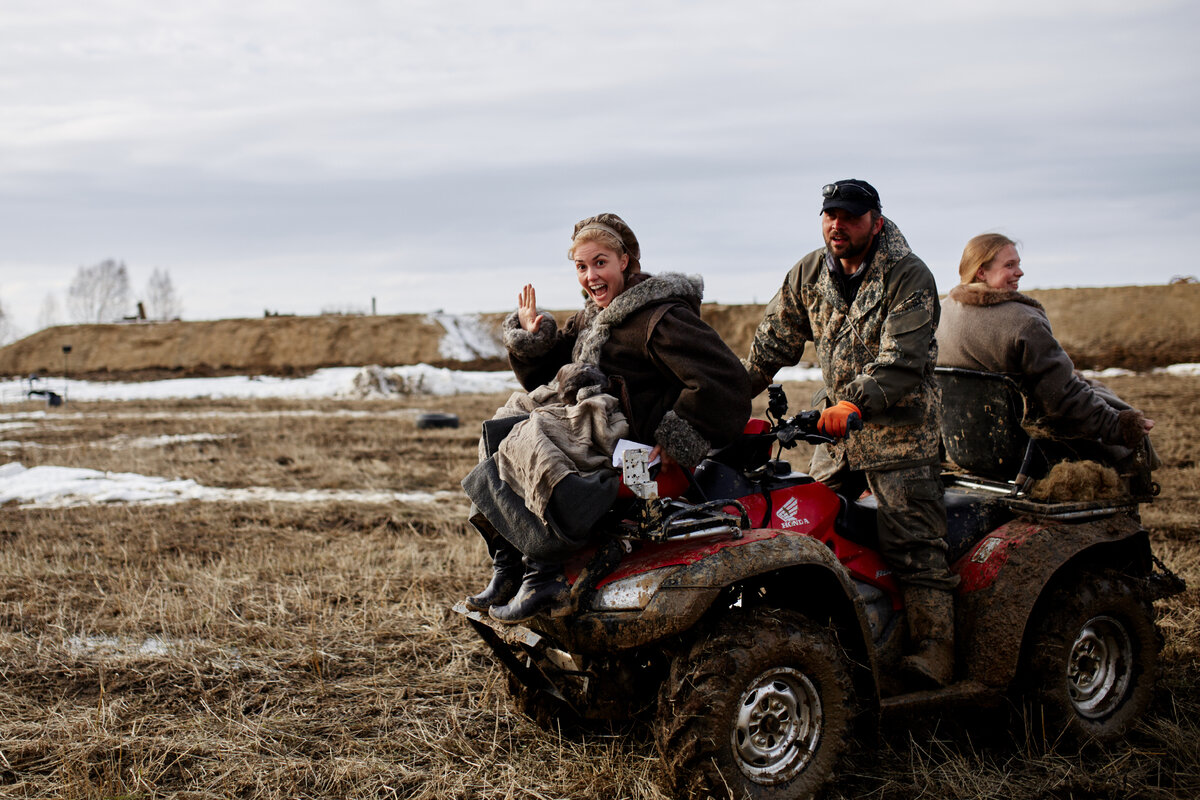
(980, 294)
(597, 323)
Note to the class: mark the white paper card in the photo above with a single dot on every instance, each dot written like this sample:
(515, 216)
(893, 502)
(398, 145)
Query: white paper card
(626, 444)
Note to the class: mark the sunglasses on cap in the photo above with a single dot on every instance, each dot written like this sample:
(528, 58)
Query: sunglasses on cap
(848, 191)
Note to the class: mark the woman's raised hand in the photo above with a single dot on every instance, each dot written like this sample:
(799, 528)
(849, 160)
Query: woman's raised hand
(527, 309)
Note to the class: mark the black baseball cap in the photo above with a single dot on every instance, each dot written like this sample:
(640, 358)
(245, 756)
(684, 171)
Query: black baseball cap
(857, 197)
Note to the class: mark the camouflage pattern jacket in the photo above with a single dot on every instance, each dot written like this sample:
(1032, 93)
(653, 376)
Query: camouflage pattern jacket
(878, 353)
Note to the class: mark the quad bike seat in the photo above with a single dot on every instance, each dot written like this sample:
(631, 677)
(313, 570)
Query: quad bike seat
(981, 422)
(969, 517)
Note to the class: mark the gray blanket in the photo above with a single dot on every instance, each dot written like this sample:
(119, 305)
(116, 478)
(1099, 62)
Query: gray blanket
(559, 440)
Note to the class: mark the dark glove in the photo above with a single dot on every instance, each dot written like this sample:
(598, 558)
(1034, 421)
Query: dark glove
(838, 419)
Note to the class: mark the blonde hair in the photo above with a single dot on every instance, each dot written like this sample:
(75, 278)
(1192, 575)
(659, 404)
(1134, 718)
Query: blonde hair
(594, 233)
(612, 232)
(979, 252)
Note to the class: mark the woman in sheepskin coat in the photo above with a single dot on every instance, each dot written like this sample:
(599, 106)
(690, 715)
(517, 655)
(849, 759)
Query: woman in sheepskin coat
(682, 390)
(988, 325)
(680, 387)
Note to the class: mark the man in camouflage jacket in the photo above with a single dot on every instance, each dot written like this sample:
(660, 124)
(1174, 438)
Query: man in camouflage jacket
(870, 307)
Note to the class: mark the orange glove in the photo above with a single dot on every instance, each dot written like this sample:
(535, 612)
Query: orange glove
(838, 419)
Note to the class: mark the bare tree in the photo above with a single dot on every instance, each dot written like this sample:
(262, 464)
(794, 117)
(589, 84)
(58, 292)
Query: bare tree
(161, 300)
(7, 330)
(99, 293)
(49, 315)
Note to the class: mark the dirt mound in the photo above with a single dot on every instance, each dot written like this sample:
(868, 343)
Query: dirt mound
(271, 345)
(1135, 327)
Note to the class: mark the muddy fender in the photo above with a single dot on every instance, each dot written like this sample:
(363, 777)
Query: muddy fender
(800, 571)
(1003, 576)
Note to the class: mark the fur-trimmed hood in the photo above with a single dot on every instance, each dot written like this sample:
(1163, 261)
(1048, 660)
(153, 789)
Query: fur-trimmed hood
(980, 294)
(642, 290)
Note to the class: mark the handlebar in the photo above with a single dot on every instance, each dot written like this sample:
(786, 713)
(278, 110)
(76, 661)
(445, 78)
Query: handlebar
(802, 425)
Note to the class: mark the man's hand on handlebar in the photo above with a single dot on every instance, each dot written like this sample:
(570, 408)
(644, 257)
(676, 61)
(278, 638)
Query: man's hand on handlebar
(839, 419)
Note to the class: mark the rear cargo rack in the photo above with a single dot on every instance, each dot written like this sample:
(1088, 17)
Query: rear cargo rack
(1023, 504)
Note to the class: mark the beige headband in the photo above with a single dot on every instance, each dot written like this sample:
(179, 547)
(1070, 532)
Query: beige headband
(600, 226)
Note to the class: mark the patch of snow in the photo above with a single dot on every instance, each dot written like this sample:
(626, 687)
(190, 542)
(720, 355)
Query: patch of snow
(467, 337)
(332, 382)
(426, 380)
(798, 374)
(344, 382)
(112, 645)
(67, 487)
(149, 442)
(123, 442)
(1111, 372)
(1179, 369)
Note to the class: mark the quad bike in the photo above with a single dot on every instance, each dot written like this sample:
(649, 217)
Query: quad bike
(746, 611)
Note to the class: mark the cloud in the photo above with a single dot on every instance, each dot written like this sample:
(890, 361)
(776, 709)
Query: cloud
(271, 154)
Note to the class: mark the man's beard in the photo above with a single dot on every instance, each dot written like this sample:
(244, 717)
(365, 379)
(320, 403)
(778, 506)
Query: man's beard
(852, 249)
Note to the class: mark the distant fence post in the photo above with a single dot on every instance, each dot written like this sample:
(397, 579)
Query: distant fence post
(66, 348)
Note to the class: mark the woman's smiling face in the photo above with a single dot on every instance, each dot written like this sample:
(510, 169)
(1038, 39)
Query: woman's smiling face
(1003, 271)
(601, 271)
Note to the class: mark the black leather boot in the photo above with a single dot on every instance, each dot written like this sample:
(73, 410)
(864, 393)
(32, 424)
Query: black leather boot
(544, 589)
(507, 572)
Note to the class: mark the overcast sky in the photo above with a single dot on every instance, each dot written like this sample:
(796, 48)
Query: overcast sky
(311, 155)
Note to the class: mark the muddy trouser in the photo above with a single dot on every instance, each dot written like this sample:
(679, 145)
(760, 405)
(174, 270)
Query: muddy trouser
(911, 520)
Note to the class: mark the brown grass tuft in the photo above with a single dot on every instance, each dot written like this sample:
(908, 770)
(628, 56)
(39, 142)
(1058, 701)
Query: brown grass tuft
(1078, 481)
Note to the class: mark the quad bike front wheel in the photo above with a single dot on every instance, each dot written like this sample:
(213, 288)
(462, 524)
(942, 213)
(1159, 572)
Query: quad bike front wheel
(761, 707)
(547, 712)
(1093, 659)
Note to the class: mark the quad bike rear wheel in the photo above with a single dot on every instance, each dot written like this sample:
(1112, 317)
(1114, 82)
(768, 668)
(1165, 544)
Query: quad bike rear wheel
(762, 707)
(1093, 659)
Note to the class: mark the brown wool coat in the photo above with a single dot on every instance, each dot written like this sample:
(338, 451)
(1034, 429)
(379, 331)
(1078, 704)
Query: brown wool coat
(681, 385)
(1000, 330)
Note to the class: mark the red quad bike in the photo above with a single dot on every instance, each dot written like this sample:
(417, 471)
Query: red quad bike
(746, 608)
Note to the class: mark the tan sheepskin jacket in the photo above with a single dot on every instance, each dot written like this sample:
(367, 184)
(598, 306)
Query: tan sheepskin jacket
(1001, 330)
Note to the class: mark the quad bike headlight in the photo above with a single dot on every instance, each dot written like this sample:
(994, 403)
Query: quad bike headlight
(631, 594)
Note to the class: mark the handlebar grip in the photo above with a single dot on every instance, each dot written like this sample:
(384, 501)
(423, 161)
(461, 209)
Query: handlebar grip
(853, 422)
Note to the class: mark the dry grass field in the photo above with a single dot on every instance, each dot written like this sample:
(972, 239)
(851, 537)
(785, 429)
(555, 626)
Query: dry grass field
(274, 649)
